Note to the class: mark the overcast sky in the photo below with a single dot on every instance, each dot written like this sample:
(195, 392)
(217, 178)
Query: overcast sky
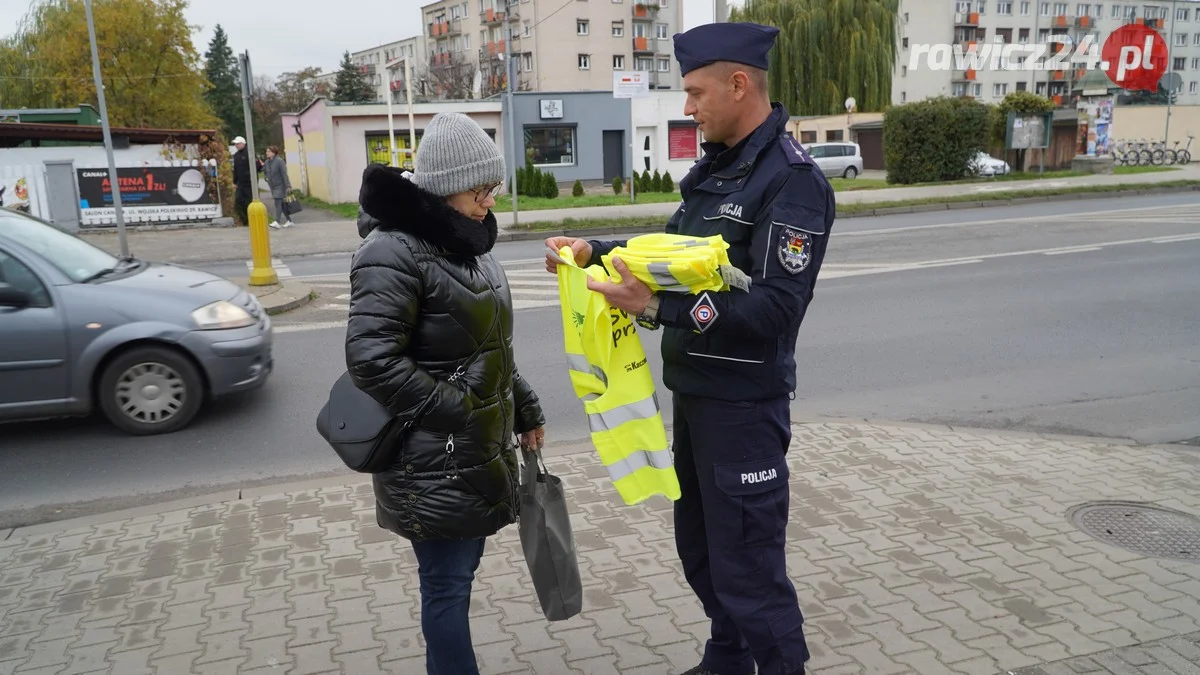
(287, 35)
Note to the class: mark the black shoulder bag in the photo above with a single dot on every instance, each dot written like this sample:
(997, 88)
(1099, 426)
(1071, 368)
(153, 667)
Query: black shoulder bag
(361, 430)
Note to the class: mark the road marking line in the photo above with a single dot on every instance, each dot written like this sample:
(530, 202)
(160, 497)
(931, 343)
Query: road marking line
(304, 327)
(1088, 215)
(339, 307)
(1073, 250)
(1180, 237)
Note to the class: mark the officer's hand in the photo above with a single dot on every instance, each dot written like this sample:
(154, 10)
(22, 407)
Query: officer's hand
(581, 249)
(631, 294)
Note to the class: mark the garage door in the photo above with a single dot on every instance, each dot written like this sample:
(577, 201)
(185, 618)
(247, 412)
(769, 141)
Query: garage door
(870, 143)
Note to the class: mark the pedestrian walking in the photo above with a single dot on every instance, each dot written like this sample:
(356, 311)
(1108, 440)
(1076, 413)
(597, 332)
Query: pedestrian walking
(729, 357)
(245, 182)
(275, 171)
(430, 337)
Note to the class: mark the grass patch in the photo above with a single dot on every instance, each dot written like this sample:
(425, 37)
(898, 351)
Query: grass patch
(652, 223)
(348, 210)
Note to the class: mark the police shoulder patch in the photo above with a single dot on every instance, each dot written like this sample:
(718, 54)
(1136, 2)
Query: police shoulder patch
(704, 313)
(794, 249)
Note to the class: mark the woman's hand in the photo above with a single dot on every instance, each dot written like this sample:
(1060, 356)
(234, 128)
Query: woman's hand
(534, 440)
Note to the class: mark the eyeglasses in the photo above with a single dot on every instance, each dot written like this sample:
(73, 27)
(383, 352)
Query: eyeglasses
(481, 194)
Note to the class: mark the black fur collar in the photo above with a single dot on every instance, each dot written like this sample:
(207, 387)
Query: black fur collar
(389, 201)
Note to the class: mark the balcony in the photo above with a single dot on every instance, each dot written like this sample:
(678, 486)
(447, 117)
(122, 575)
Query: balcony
(645, 10)
(965, 75)
(396, 85)
(443, 59)
(1084, 22)
(966, 18)
(444, 29)
(492, 17)
(1061, 21)
(643, 45)
(493, 48)
(1058, 75)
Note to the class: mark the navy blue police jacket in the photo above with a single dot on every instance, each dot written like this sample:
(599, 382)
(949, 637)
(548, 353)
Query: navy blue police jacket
(770, 202)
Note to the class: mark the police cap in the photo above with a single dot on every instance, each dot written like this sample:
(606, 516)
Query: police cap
(745, 43)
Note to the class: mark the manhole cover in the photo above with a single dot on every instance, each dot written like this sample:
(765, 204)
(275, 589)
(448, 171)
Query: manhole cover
(1141, 528)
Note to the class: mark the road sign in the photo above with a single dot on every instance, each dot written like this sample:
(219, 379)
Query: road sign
(631, 84)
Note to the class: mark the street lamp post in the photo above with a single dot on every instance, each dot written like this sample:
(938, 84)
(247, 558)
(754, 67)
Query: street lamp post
(510, 72)
(104, 125)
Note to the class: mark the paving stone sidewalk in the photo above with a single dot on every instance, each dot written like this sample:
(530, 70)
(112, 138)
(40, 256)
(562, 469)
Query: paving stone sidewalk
(914, 549)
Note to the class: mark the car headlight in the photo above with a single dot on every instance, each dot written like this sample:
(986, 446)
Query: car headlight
(221, 315)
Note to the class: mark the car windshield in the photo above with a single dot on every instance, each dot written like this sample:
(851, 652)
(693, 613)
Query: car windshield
(74, 256)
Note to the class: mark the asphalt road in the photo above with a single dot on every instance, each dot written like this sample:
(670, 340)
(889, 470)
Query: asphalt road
(1059, 322)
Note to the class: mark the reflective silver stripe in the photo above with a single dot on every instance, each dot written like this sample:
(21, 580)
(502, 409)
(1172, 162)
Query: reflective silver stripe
(611, 419)
(589, 397)
(661, 273)
(659, 459)
(580, 365)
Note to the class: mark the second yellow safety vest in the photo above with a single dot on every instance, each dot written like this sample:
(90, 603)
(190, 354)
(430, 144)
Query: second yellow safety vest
(610, 374)
(675, 263)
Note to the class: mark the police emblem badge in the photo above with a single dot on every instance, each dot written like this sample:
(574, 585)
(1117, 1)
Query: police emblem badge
(794, 250)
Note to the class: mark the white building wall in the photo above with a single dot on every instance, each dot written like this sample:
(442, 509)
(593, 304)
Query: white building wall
(652, 118)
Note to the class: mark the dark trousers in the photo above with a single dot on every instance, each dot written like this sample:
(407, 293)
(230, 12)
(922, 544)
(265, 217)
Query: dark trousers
(446, 568)
(241, 203)
(730, 530)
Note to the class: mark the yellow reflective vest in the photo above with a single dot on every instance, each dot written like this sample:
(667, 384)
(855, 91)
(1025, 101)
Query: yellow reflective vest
(609, 373)
(675, 263)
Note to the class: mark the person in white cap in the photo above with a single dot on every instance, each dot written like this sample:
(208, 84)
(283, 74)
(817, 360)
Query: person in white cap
(243, 180)
(429, 336)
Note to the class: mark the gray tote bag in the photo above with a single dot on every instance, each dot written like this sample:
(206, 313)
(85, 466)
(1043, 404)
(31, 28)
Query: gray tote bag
(547, 541)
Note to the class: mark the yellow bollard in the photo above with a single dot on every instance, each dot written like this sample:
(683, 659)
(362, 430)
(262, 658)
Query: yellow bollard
(262, 273)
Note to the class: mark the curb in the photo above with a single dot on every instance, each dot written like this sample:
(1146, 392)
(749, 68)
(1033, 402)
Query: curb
(290, 294)
(569, 449)
(531, 235)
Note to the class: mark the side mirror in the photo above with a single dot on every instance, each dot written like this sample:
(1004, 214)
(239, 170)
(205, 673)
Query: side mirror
(11, 296)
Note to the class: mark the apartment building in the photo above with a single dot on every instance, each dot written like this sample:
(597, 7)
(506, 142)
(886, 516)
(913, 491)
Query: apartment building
(374, 62)
(1032, 22)
(557, 45)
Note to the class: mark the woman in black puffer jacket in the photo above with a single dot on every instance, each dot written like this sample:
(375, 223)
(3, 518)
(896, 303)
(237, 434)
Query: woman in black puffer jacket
(430, 337)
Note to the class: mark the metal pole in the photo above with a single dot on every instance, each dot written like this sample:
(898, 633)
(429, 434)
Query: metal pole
(247, 94)
(391, 125)
(1170, 44)
(412, 127)
(108, 144)
(632, 153)
(510, 75)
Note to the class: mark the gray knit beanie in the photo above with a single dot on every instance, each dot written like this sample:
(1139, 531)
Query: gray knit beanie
(456, 155)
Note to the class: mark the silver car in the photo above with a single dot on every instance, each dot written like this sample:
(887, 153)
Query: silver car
(144, 343)
(837, 159)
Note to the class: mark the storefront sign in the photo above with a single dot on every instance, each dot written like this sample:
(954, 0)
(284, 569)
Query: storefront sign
(682, 141)
(147, 193)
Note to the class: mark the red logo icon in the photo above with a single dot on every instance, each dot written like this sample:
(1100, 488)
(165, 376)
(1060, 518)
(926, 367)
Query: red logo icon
(1135, 57)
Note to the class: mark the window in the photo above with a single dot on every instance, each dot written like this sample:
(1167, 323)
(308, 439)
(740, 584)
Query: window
(683, 141)
(1044, 9)
(618, 29)
(1181, 14)
(16, 274)
(660, 31)
(581, 27)
(551, 146)
(1021, 86)
(807, 137)
(73, 256)
(1023, 36)
(525, 29)
(643, 63)
(1082, 9)
(664, 65)
(1116, 12)
(1196, 63)
(1000, 89)
(527, 63)
(1178, 63)
(1060, 9)
(1196, 40)
(1025, 8)
(619, 62)
(1191, 87)
(834, 135)
(585, 62)
(1181, 39)
(1004, 8)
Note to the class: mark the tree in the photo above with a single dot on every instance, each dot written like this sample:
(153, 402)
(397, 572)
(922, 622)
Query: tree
(1022, 103)
(668, 185)
(152, 74)
(616, 185)
(297, 89)
(827, 51)
(224, 91)
(933, 140)
(450, 76)
(352, 85)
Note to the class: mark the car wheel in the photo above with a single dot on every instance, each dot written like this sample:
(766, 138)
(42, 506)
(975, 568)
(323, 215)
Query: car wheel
(851, 172)
(150, 390)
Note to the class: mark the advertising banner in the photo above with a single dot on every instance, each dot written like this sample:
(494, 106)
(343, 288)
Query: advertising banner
(152, 193)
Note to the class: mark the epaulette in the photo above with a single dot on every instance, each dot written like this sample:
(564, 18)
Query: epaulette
(795, 153)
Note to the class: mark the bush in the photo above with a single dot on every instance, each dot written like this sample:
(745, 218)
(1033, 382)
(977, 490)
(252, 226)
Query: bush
(933, 140)
(549, 186)
(577, 190)
(656, 182)
(668, 185)
(616, 185)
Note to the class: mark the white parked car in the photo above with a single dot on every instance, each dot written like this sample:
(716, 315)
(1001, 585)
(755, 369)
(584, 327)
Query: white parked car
(837, 159)
(984, 164)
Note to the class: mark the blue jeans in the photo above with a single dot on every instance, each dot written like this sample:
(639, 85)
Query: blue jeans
(447, 568)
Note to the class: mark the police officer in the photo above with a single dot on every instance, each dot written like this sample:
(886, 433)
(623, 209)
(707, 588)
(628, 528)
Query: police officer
(729, 358)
